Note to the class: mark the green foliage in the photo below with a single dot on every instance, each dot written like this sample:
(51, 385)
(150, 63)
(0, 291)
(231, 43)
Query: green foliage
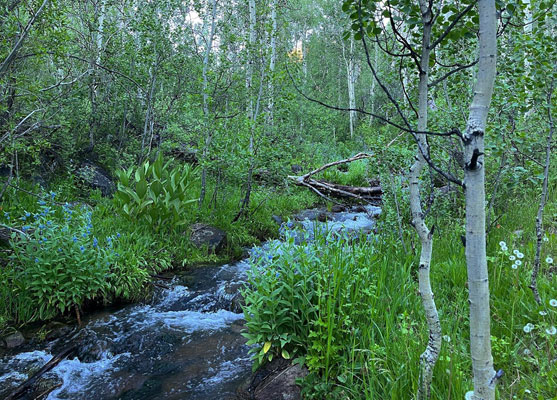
(355, 175)
(303, 300)
(157, 192)
(56, 262)
(361, 335)
(68, 255)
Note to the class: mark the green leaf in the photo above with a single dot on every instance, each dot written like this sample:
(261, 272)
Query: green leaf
(141, 188)
(266, 347)
(346, 6)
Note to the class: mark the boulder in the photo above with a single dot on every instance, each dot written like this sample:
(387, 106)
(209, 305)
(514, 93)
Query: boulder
(337, 208)
(14, 340)
(203, 235)
(274, 381)
(96, 177)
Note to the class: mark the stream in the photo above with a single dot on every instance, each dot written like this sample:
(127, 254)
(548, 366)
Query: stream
(185, 343)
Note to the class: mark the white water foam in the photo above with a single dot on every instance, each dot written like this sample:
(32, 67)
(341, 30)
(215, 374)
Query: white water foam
(173, 295)
(192, 321)
(77, 375)
(227, 371)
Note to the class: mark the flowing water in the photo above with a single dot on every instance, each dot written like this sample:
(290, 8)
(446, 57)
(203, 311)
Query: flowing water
(185, 343)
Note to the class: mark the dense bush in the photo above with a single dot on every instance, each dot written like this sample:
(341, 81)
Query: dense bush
(57, 263)
(306, 300)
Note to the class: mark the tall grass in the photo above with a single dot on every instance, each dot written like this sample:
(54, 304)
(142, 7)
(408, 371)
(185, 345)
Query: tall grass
(367, 327)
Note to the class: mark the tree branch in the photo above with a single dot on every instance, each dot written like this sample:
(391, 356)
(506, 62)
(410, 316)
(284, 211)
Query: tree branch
(451, 26)
(8, 60)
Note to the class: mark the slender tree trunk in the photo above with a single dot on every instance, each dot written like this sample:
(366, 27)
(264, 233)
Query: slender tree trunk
(373, 83)
(272, 64)
(350, 74)
(485, 378)
(93, 88)
(149, 111)
(251, 107)
(208, 131)
(543, 199)
(431, 354)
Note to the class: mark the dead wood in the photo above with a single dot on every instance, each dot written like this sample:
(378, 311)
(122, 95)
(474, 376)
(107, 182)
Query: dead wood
(329, 189)
(47, 367)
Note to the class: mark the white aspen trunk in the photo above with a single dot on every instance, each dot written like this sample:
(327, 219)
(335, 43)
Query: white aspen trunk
(543, 199)
(251, 108)
(149, 110)
(485, 378)
(373, 84)
(208, 132)
(273, 61)
(251, 58)
(528, 29)
(430, 355)
(100, 32)
(303, 52)
(94, 78)
(350, 73)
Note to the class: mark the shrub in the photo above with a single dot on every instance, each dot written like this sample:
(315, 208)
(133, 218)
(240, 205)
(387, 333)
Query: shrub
(57, 262)
(156, 192)
(304, 300)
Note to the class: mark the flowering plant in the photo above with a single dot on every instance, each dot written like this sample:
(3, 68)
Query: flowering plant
(57, 262)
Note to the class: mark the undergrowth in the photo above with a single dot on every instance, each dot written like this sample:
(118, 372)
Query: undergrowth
(351, 312)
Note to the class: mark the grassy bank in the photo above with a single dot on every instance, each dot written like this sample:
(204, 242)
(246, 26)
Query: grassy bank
(352, 313)
(71, 251)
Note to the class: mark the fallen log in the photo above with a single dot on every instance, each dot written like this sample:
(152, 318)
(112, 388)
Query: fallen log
(363, 191)
(329, 189)
(47, 367)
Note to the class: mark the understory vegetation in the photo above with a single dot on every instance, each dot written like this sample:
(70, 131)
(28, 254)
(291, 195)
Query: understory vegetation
(349, 310)
(65, 255)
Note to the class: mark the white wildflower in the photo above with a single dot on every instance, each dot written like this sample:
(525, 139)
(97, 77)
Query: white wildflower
(516, 252)
(447, 338)
(518, 262)
(551, 330)
(527, 391)
(549, 260)
(543, 313)
(528, 327)
(512, 258)
(514, 266)
(553, 303)
(502, 244)
(520, 255)
(545, 239)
